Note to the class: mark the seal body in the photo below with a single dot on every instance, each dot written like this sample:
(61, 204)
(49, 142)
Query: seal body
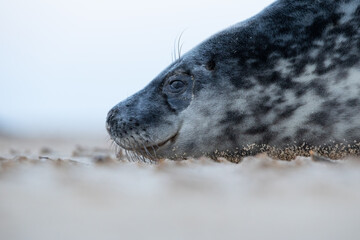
(287, 78)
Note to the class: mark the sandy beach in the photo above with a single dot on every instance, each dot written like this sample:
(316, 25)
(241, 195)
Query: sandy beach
(78, 189)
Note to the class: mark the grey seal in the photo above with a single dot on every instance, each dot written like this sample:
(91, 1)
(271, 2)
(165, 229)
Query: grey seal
(286, 82)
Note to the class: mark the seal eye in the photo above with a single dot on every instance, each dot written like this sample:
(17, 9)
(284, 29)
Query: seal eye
(177, 91)
(176, 85)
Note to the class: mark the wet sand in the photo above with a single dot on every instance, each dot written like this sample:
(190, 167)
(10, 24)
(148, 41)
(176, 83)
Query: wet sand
(78, 189)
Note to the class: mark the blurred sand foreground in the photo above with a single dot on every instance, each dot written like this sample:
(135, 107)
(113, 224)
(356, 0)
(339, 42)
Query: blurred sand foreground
(52, 189)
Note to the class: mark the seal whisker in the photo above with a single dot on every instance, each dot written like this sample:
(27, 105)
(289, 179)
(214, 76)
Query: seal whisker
(136, 149)
(129, 145)
(140, 145)
(153, 157)
(128, 155)
(137, 155)
(152, 143)
(119, 149)
(114, 145)
(174, 50)
(148, 154)
(134, 157)
(179, 45)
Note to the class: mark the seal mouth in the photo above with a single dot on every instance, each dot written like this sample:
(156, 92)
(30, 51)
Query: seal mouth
(147, 151)
(154, 146)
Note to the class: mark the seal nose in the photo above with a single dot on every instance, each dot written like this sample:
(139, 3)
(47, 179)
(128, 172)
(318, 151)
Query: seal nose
(111, 120)
(108, 128)
(120, 123)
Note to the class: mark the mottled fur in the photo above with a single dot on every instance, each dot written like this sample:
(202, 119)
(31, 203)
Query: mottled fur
(288, 78)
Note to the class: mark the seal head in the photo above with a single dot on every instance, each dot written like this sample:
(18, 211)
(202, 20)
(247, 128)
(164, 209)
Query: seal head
(288, 78)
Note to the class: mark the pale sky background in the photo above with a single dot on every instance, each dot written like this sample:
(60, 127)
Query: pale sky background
(65, 63)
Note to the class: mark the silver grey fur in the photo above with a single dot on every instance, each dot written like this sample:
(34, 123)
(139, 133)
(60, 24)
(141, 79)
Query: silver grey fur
(287, 78)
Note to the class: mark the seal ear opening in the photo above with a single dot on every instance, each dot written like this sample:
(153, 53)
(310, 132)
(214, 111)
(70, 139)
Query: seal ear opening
(210, 65)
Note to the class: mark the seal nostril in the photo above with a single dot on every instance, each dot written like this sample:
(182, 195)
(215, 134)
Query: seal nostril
(127, 105)
(144, 129)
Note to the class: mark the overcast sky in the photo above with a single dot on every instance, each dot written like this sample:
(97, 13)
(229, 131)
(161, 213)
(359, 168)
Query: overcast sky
(65, 63)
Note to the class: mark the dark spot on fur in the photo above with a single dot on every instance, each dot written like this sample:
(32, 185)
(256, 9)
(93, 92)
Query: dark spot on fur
(301, 133)
(210, 65)
(335, 18)
(263, 107)
(242, 83)
(288, 111)
(287, 83)
(316, 29)
(319, 87)
(320, 118)
(354, 102)
(329, 105)
(350, 61)
(257, 130)
(357, 12)
(230, 134)
(279, 100)
(268, 136)
(353, 134)
(286, 140)
(233, 118)
(302, 90)
(269, 79)
(348, 30)
(299, 66)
